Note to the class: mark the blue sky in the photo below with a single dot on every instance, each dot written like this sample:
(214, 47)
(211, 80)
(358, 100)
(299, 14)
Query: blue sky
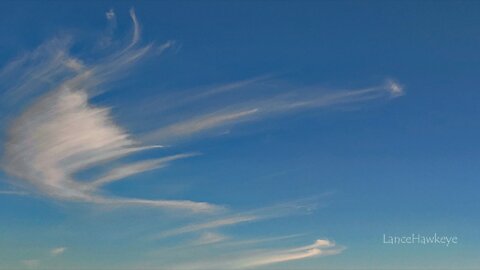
(238, 135)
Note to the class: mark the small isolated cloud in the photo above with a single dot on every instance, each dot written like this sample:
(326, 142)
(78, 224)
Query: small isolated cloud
(58, 251)
(110, 14)
(74, 64)
(165, 46)
(395, 88)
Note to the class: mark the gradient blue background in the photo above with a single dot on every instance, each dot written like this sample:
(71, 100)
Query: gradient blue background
(409, 166)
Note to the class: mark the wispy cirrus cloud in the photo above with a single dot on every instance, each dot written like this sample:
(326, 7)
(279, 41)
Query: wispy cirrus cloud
(56, 132)
(250, 108)
(208, 238)
(217, 223)
(263, 257)
(321, 247)
(13, 192)
(124, 171)
(298, 207)
(60, 133)
(255, 241)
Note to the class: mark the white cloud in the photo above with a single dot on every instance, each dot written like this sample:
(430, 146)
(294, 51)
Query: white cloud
(281, 210)
(110, 14)
(320, 247)
(136, 28)
(133, 169)
(257, 107)
(220, 89)
(227, 221)
(207, 238)
(34, 72)
(260, 240)
(58, 251)
(277, 258)
(395, 88)
(61, 133)
(198, 124)
(13, 192)
(74, 64)
(165, 46)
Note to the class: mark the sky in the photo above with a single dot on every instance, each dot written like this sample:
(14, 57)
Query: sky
(182, 135)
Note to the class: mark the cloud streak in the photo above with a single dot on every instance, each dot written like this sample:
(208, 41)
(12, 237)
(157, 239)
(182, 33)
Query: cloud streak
(122, 172)
(254, 108)
(13, 192)
(209, 238)
(281, 210)
(321, 247)
(258, 258)
(227, 221)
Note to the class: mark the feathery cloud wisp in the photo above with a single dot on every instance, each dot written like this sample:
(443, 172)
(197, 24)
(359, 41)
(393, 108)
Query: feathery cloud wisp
(208, 238)
(320, 247)
(227, 221)
(258, 108)
(135, 168)
(61, 133)
(281, 210)
(13, 192)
